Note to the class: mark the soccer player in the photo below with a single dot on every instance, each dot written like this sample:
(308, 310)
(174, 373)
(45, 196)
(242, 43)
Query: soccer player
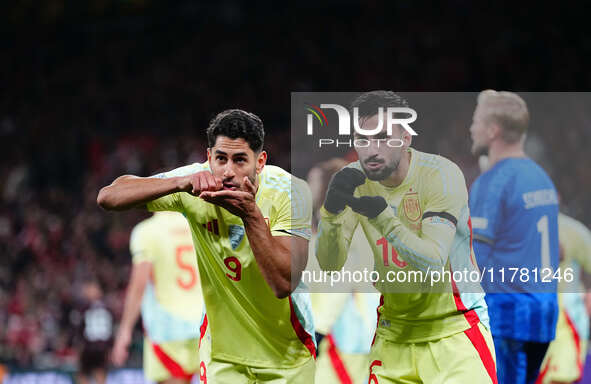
(165, 285)
(514, 209)
(250, 225)
(97, 335)
(413, 208)
(345, 321)
(566, 354)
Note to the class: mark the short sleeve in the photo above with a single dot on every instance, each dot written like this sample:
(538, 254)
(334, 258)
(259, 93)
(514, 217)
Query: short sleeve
(183, 171)
(173, 201)
(446, 195)
(140, 244)
(294, 212)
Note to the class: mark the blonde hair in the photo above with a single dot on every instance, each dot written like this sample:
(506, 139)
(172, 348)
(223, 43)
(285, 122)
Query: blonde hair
(508, 110)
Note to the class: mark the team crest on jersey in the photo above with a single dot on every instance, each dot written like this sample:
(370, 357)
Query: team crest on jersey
(235, 233)
(411, 206)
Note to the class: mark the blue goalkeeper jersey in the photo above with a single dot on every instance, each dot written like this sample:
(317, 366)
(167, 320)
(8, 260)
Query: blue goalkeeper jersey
(514, 208)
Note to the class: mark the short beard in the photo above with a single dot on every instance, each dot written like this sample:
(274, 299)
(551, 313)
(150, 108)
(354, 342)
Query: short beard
(382, 174)
(253, 178)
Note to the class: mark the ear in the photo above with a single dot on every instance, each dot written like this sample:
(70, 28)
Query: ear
(261, 161)
(493, 130)
(209, 155)
(406, 139)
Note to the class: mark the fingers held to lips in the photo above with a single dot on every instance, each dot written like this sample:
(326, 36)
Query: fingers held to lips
(205, 181)
(226, 198)
(207, 196)
(211, 184)
(196, 184)
(211, 196)
(248, 186)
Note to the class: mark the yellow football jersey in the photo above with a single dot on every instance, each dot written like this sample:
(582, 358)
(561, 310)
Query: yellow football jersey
(248, 324)
(172, 304)
(426, 228)
(575, 245)
(565, 357)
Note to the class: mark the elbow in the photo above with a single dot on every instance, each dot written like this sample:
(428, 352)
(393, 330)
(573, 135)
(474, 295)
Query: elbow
(104, 199)
(283, 290)
(282, 294)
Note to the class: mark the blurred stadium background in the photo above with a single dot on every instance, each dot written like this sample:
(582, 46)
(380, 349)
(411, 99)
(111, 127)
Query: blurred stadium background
(94, 89)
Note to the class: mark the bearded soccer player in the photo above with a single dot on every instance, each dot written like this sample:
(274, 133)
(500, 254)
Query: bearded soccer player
(566, 354)
(514, 209)
(164, 283)
(413, 208)
(250, 224)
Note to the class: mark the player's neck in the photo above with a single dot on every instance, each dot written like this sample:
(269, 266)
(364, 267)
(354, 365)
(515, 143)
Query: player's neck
(499, 150)
(398, 176)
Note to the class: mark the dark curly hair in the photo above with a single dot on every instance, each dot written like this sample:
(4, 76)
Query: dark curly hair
(369, 102)
(236, 124)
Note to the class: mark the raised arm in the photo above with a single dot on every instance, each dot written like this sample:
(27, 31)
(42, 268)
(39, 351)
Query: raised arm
(131, 191)
(443, 205)
(337, 224)
(281, 259)
(335, 233)
(430, 250)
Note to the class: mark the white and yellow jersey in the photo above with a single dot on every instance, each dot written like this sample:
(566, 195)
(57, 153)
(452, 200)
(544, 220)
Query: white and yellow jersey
(426, 227)
(249, 325)
(172, 304)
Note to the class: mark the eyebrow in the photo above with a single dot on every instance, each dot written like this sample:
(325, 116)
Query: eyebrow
(217, 151)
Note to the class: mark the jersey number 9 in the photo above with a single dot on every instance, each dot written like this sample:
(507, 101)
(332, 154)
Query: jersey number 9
(233, 264)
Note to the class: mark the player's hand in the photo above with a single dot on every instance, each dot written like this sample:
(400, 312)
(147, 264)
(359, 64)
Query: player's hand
(370, 206)
(340, 193)
(239, 202)
(120, 353)
(341, 188)
(200, 182)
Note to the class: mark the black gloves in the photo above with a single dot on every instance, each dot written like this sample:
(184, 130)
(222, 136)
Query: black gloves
(341, 188)
(340, 193)
(370, 206)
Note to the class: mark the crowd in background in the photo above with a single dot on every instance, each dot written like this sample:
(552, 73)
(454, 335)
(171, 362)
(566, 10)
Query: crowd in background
(114, 91)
